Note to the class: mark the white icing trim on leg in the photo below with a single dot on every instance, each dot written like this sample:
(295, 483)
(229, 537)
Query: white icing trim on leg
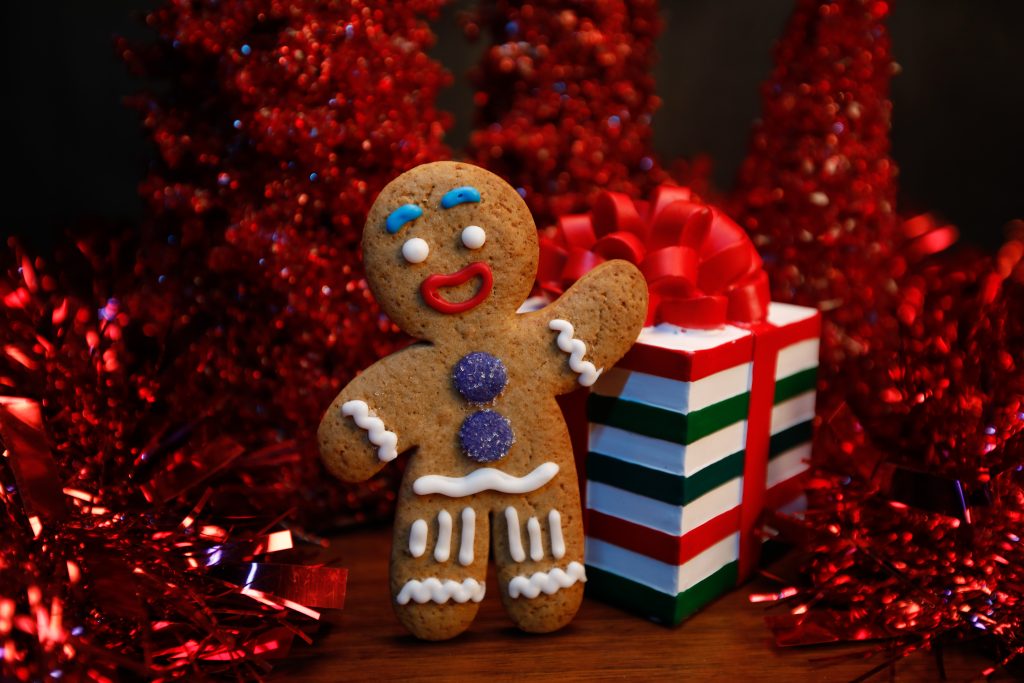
(549, 582)
(515, 537)
(555, 531)
(436, 590)
(418, 538)
(536, 544)
(468, 533)
(484, 479)
(385, 441)
(576, 348)
(444, 536)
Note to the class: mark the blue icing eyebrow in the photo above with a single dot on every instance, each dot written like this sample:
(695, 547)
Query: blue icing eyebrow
(460, 195)
(401, 216)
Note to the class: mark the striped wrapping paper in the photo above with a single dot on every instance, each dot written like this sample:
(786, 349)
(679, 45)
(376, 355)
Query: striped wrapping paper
(675, 430)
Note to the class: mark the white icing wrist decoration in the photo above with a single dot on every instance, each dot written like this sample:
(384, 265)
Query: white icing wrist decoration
(385, 441)
(549, 582)
(576, 348)
(484, 479)
(436, 590)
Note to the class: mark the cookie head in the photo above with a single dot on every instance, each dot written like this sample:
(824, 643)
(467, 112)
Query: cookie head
(446, 242)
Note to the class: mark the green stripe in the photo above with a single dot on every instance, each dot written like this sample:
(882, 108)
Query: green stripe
(656, 605)
(667, 425)
(670, 488)
(796, 384)
(790, 438)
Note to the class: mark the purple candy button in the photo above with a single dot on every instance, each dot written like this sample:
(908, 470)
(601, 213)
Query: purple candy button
(479, 377)
(486, 436)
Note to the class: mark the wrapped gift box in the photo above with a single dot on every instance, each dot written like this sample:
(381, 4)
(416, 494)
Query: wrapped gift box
(707, 421)
(692, 435)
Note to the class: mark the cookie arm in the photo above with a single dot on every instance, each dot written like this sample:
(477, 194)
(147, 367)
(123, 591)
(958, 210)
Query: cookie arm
(364, 427)
(592, 325)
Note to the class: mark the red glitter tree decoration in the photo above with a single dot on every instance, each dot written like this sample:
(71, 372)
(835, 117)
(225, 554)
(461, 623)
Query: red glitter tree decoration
(817, 190)
(564, 100)
(278, 125)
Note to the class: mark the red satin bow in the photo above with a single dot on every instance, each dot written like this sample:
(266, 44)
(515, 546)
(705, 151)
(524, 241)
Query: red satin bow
(700, 266)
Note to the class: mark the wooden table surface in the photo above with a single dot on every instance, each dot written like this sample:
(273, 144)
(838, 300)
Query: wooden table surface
(728, 640)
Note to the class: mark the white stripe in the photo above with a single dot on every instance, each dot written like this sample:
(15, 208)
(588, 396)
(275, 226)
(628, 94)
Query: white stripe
(468, 534)
(442, 549)
(668, 336)
(555, 531)
(667, 456)
(418, 538)
(782, 315)
(671, 394)
(666, 578)
(536, 544)
(793, 411)
(515, 537)
(672, 519)
(789, 464)
(797, 357)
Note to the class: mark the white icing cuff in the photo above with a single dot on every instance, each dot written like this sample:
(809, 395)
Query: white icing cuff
(485, 479)
(436, 590)
(576, 348)
(385, 441)
(549, 582)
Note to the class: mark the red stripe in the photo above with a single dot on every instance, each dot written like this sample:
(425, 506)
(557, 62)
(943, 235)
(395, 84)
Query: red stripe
(686, 366)
(674, 550)
(785, 491)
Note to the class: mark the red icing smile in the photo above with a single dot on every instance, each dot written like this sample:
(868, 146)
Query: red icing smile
(435, 282)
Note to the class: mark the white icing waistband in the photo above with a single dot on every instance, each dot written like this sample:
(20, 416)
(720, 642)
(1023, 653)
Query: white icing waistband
(436, 590)
(485, 479)
(549, 582)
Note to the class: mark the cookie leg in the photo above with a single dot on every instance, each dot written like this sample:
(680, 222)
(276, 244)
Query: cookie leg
(538, 548)
(438, 565)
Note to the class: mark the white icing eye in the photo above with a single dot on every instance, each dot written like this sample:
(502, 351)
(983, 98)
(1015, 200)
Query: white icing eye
(416, 250)
(473, 236)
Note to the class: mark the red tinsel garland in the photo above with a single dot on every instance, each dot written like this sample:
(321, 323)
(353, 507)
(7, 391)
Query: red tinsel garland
(917, 512)
(133, 542)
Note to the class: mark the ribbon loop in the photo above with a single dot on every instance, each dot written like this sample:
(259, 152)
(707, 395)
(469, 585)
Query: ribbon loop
(701, 267)
(615, 211)
(621, 244)
(576, 231)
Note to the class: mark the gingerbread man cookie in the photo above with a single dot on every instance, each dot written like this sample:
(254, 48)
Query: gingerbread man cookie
(451, 254)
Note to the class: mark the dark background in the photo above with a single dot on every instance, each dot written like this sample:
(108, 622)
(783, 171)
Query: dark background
(73, 152)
